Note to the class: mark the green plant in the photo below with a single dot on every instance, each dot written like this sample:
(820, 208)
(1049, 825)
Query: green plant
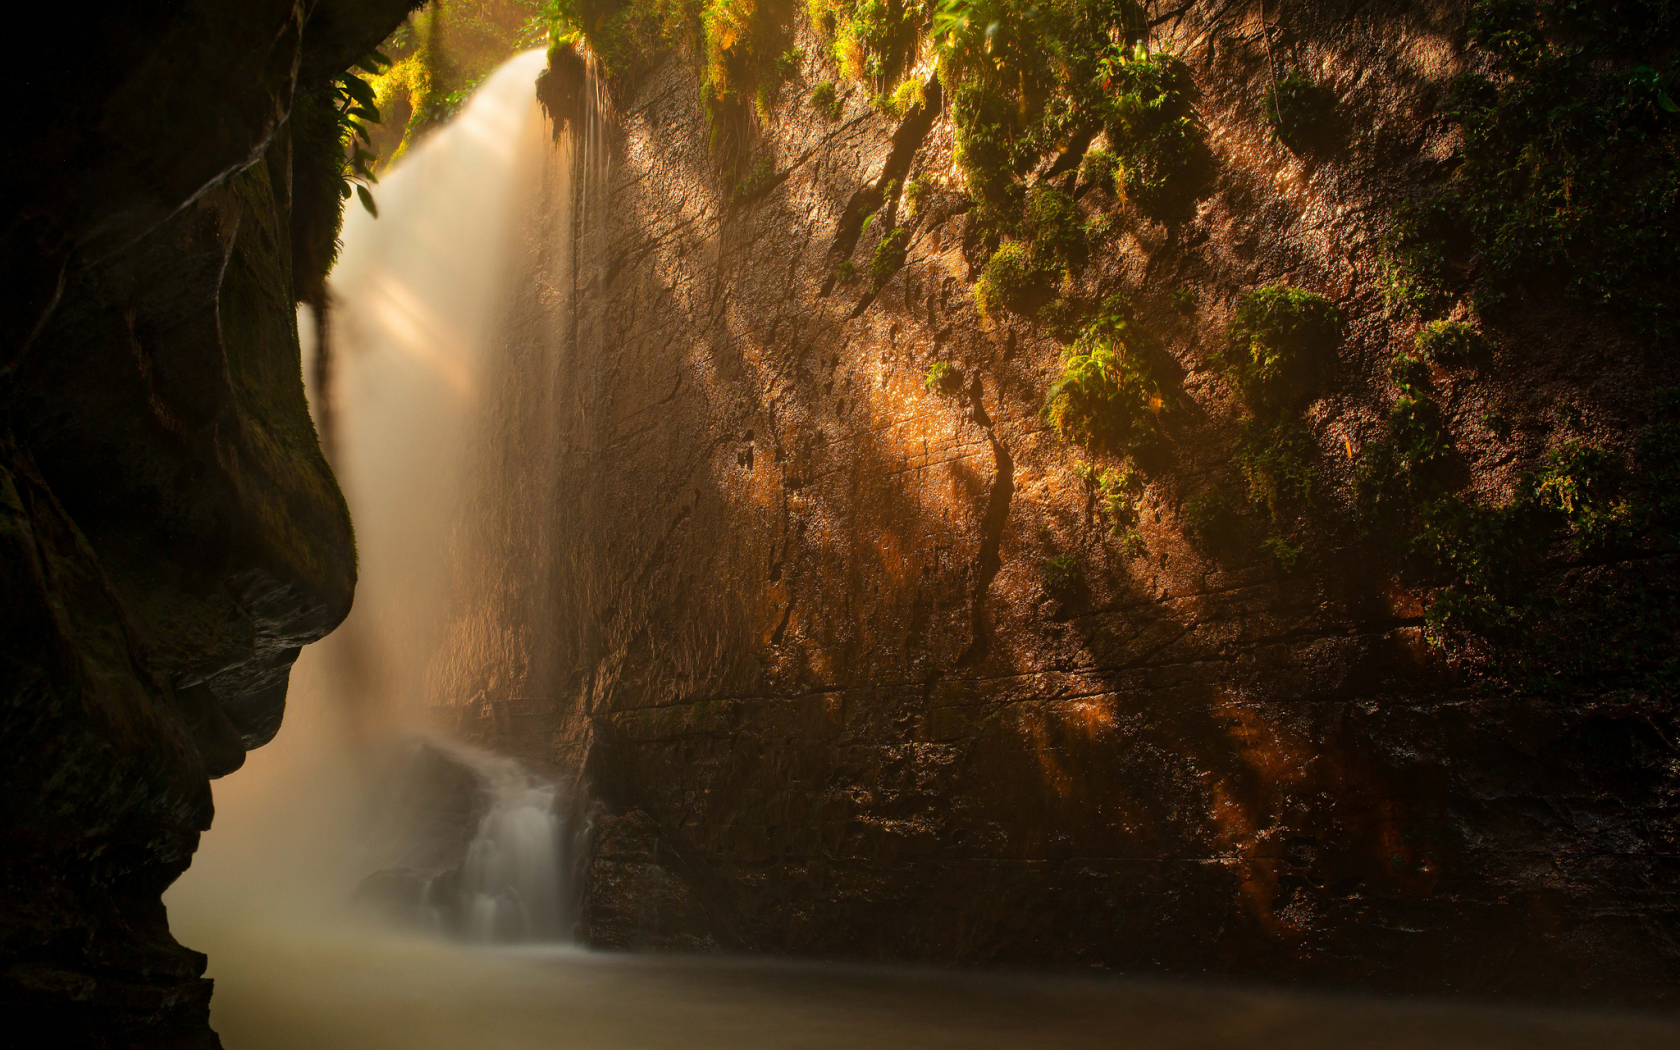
(1208, 517)
(755, 181)
(1583, 485)
(1054, 224)
(1566, 177)
(1452, 343)
(1106, 396)
(1148, 108)
(1497, 423)
(944, 379)
(1284, 553)
(1117, 500)
(1184, 301)
(1099, 168)
(1281, 346)
(1009, 281)
(889, 256)
(825, 100)
(909, 94)
(915, 195)
(1060, 576)
(1276, 460)
(846, 271)
(1413, 268)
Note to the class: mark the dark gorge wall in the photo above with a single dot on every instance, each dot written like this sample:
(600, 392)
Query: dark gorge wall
(172, 532)
(866, 662)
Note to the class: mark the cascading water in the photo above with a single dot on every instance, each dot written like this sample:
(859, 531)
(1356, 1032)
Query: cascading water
(463, 333)
(445, 425)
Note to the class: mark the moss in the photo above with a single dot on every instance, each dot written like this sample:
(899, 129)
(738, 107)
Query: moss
(1452, 344)
(1055, 225)
(1011, 280)
(944, 379)
(1282, 552)
(755, 181)
(1281, 346)
(1100, 168)
(825, 100)
(1106, 397)
(889, 256)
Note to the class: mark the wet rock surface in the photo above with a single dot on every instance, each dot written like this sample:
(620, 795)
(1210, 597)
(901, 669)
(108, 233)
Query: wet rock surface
(826, 701)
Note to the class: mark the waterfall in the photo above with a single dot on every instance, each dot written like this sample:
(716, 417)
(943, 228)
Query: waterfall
(447, 387)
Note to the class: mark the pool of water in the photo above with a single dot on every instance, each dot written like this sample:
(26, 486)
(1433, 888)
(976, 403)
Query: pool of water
(359, 987)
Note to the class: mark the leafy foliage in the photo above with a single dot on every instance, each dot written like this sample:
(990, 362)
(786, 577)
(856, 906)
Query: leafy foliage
(1009, 280)
(944, 379)
(1452, 343)
(1106, 397)
(1567, 175)
(889, 256)
(1275, 458)
(1281, 346)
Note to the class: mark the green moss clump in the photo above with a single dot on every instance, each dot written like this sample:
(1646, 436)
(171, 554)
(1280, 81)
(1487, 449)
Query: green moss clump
(889, 256)
(1056, 226)
(825, 100)
(1281, 346)
(1452, 344)
(1106, 397)
(1010, 280)
(944, 379)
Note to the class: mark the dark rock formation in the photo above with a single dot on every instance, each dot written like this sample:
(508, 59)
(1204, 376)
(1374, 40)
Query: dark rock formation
(172, 532)
(829, 701)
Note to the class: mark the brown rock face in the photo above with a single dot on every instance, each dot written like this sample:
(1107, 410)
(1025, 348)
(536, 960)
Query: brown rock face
(827, 698)
(171, 532)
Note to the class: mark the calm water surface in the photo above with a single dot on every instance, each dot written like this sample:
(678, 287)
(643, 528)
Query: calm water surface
(362, 989)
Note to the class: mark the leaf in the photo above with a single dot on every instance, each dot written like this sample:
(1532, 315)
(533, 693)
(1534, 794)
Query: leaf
(358, 89)
(1665, 102)
(344, 190)
(367, 201)
(369, 115)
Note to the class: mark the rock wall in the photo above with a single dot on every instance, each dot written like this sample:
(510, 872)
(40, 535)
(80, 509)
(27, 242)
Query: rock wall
(173, 534)
(826, 696)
